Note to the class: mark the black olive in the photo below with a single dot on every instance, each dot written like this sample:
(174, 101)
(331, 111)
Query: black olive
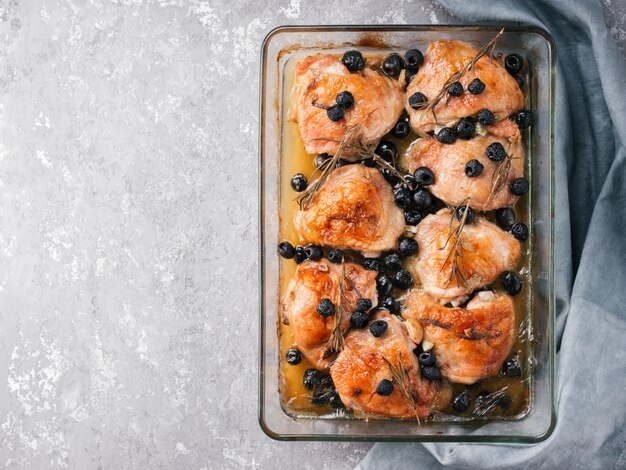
(359, 319)
(402, 128)
(353, 60)
(474, 168)
(412, 217)
(321, 158)
(326, 308)
(431, 373)
(387, 150)
(424, 176)
(505, 218)
(485, 117)
(446, 135)
(311, 378)
(465, 128)
(423, 200)
(416, 100)
(520, 186)
(378, 328)
(293, 356)
(427, 358)
(391, 304)
(520, 231)
(363, 304)
(513, 63)
(408, 246)
(345, 100)
(393, 261)
(523, 118)
(512, 282)
(286, 250)
(298, 182)
(393, 65)
(383, 284)
(402, 197)
(385, 388)
(413, 58)
(335, 113)
(495, 152)
(476, 87)
(471, 215)
(403, 279)
(456, 89)
(335, 255)
(313, 252)
(371, 264)
(461, 402)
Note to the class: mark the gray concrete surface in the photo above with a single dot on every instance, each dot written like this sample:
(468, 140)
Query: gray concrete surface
(128, 230)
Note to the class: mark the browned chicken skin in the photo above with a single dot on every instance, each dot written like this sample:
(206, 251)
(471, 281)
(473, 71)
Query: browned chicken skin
(360, 367)
(319, 79)
(470, 343)
(447, 162)
(355, 210)
(314, 281)
(486, 251)
(502, 95)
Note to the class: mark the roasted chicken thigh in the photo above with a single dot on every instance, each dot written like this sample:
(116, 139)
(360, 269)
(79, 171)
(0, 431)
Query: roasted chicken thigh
(355, 210)
(470, 343)
(314, 281)
(485, 251)
(360, 368)
(501, 95)
(319, 79)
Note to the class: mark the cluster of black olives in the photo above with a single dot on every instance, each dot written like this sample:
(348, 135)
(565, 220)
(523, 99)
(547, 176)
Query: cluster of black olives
(310, 252)
(394, 64)
(322, 388)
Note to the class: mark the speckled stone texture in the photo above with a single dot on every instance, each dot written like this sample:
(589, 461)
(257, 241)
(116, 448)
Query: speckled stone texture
(129, 230)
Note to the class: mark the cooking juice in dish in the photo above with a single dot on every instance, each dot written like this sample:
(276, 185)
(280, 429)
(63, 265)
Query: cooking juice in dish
(297, 400)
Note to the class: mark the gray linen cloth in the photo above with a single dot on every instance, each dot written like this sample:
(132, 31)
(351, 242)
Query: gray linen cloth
(590, 251)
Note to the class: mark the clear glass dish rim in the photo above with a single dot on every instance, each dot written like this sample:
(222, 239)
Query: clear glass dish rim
(504, 438)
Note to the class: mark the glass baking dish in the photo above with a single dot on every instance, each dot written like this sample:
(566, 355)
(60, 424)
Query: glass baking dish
(537, 46)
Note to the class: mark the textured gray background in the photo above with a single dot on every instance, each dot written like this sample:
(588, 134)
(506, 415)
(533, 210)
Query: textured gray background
(128, 230)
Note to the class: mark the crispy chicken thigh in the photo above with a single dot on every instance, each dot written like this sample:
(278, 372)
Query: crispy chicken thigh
(448, 162)
(355, 210)
(313, 281)
(502, 95)
(470, 343)
(319, 79)
(486, 251)
(360, 367)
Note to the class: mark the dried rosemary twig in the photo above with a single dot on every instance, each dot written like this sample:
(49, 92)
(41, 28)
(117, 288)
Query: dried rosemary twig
(348, 141)
(500, 175)
(487, 404)
(455, 253)
(401, 379)
(455, 77)
(336, 341)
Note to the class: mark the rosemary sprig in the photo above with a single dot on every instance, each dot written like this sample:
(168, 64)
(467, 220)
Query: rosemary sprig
(455, 77)
(455, 253)
(336, 342)
(500, 174)
(486, 405)
(349, 142)
(401, 379)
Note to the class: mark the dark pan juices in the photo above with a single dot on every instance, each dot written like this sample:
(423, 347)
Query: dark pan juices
(505, 396)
